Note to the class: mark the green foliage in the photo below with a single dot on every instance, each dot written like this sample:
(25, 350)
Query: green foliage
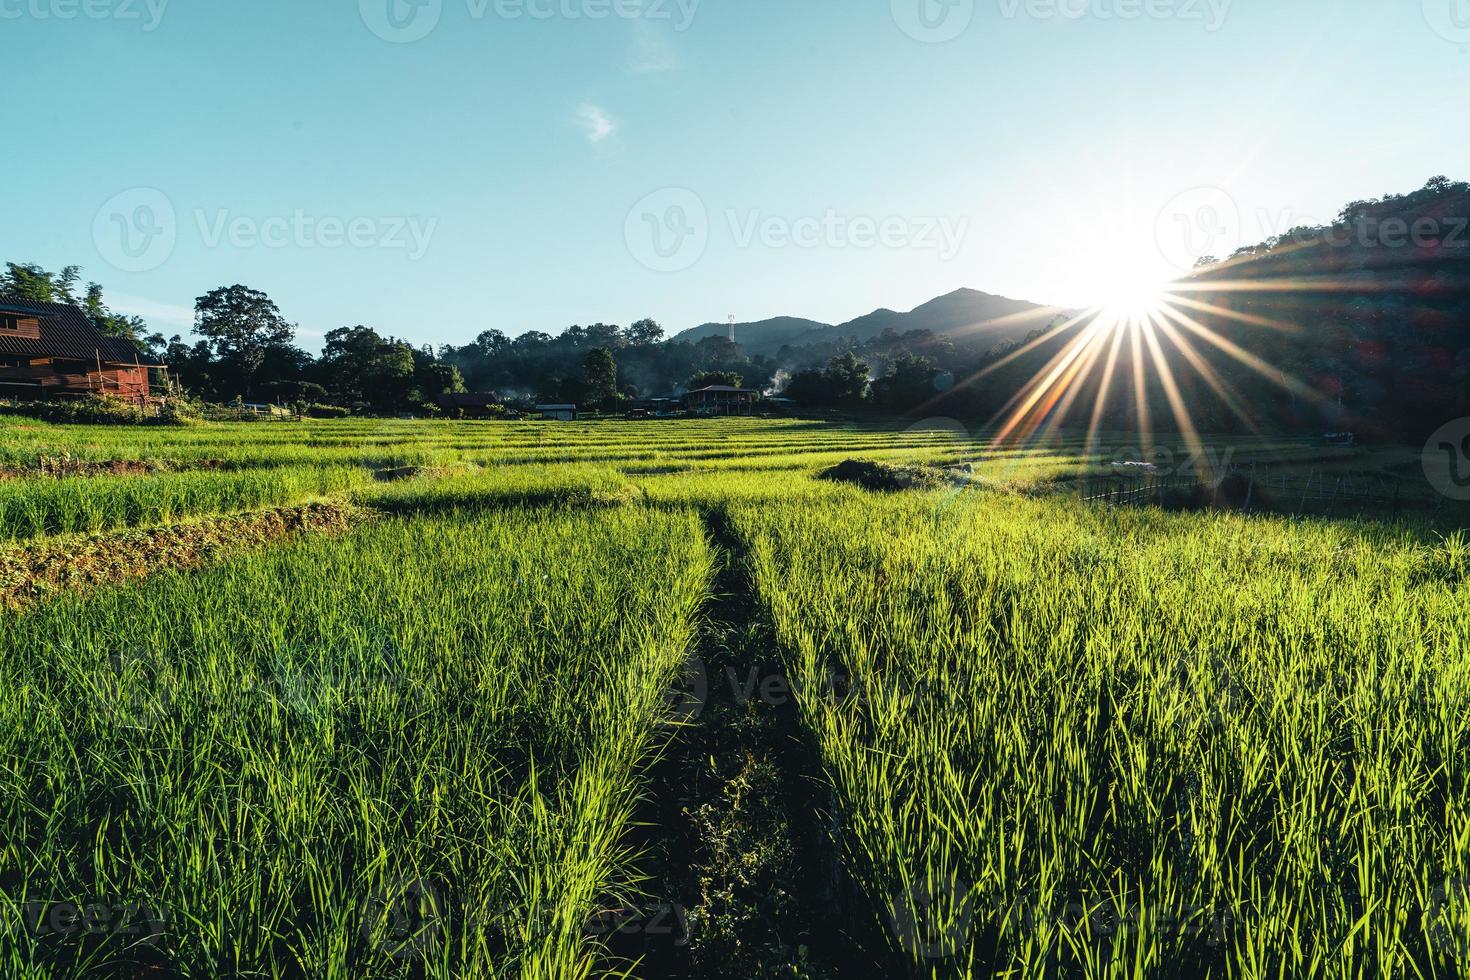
(600, 378)
(843, 384)
(242, 325)
(108, 410)
(31, 282)
(908, 384)
(708, 379)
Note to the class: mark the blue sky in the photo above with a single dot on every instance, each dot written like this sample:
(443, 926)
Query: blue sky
(529, 164)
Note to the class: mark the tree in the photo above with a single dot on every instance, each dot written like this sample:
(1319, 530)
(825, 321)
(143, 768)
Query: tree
(491, 344)
(847, 377)
(435, 378)
(706, 379)
(242, 325)
(808, 389)
(644, 333)
(908, 384)
(600, 377)
(720, 353)
(34, 284)
(844, 383)
(363, 367)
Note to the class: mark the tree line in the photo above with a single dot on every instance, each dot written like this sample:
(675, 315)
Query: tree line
(244, 349)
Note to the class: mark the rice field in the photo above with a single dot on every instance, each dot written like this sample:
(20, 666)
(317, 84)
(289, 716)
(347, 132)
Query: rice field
(1046, 738)
(40, 506)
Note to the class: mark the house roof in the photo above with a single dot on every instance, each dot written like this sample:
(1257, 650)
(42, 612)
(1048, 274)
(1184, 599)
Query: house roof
(556, 408)
(67, 333)
(715, 389)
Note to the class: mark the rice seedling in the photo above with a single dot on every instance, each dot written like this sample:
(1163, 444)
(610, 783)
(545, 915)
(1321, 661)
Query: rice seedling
(1112, 743)
(1055, 739)
(33, 507)
(413, 751)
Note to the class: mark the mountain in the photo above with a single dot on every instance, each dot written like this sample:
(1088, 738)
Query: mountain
(967, 315)
(761, 337)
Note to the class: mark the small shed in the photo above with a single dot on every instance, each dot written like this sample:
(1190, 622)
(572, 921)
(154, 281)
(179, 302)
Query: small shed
(558, 413)
(721, 400)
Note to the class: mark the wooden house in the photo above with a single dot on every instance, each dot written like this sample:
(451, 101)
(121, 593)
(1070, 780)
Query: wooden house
(52, 350)
(721, 400)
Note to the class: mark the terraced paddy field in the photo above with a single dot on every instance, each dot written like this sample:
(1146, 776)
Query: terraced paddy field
(389, 699)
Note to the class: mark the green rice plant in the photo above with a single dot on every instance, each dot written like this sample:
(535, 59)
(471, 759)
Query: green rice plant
(570, 484)
(411, 752)
(33, 507)
(1120, 743)
(1058, 740)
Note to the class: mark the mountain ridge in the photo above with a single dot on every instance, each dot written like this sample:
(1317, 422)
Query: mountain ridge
(962, 314)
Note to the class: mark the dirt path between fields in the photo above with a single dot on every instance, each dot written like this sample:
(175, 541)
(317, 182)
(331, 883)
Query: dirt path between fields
(744, 881)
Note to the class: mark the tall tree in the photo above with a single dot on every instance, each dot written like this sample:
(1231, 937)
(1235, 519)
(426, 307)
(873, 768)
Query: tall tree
(644, 333)
(363, 366)
(706, 379)
(847, 377)
(600, 377)
(908, 384)
(241, 325)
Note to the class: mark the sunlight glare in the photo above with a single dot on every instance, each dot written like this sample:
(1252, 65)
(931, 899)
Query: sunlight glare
(1132, 298)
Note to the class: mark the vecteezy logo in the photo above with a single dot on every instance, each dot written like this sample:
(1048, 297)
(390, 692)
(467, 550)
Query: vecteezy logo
(404, 920)
(136, 689)
(933, 21)
(1200, 222)
(668, 230)
(1447, 460)
(686, 702)
(136, 231)
(1445, 921)
(1450, 19)
(401, 21)
(933, 920)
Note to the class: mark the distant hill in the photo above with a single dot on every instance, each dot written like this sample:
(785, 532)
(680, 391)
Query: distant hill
(965, 314)
(761, 337)
(1362, 325)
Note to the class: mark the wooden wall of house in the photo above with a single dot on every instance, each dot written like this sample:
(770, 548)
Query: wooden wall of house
(74, 378)
(14, 325)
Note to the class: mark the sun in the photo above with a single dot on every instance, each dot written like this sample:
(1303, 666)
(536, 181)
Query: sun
(1129, 298)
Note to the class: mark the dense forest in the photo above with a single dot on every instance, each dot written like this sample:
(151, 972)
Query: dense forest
(1361, 324)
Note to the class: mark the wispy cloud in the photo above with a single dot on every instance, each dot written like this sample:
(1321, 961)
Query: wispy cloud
(595, 122)
(155, 312)
(651, 52)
